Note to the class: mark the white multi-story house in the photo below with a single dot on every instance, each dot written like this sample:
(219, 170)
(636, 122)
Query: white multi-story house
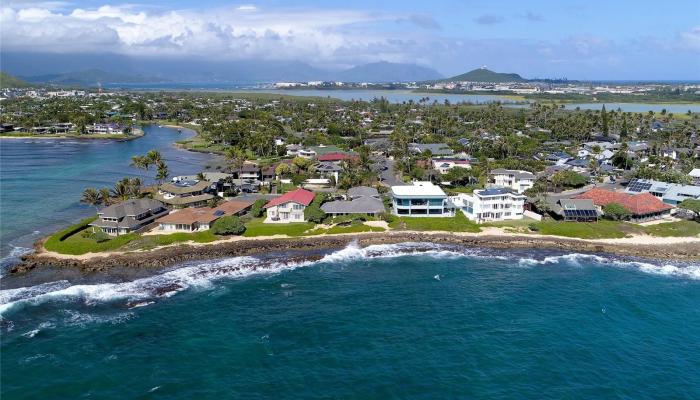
(517, 180)
(289, 207)
(421, 199)
(444, 165)
(495, 204)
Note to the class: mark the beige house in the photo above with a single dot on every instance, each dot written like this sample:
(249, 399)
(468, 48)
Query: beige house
(289, 207)
(184, 193)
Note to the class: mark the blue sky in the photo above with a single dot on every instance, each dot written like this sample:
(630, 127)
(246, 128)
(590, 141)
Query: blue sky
(574, 39)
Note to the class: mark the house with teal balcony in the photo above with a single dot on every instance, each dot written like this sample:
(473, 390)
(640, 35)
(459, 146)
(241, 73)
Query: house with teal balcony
(420, 199)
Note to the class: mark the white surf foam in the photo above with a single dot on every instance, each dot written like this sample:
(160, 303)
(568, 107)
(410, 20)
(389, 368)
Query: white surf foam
(142, 292)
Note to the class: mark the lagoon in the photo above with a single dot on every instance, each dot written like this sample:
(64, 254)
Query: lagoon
(42, 179)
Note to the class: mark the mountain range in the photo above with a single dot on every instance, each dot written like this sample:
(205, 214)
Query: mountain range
(89, 70)
(9, 81)
(486, 75)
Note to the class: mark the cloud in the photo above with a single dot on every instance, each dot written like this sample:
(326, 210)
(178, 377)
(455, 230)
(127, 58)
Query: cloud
(328, 37)
(691, 39)
(424, 21)
(489, 19)
(530, 16)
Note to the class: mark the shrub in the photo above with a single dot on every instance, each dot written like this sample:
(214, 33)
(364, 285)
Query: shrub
(228, 225)
(533, 227)
(313, 213)
(257, 209)
(616, 212)
(100, 237)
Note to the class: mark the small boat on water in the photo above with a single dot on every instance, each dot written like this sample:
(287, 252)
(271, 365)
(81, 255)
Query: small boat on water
(160, 126)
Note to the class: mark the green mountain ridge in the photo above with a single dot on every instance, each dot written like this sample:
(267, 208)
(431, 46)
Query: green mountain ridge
(9, 81)
(486, 75)
(90, 77)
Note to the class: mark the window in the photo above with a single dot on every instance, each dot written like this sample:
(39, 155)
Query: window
(402, 211)
(436, 202)
(419, 211)
(435, 211)
(419, 202)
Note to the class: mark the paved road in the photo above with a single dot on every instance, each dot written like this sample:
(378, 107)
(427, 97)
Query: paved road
(388, 176)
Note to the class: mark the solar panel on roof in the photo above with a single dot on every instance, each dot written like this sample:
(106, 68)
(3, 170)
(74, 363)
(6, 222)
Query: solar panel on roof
(219, 213)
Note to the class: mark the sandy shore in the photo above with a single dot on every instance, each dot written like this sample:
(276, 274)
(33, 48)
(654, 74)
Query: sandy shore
(686, 248)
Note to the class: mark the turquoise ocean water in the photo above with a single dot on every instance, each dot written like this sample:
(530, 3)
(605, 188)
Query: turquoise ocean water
(41, 180)
(381, 322)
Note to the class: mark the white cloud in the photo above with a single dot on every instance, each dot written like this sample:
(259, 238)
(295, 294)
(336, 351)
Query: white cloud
(321, 37)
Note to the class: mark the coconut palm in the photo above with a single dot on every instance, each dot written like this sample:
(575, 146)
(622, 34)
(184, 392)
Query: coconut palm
(92, 196)
(236, 158)
(122, 189)
(105, 196)
(162, 172)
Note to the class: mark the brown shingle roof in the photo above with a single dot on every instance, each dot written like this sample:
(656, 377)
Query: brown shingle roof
(205, 215)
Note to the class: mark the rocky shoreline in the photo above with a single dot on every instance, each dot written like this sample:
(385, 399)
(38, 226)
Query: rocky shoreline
(163, 257)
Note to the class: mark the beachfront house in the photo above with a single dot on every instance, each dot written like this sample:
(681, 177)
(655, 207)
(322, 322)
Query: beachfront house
(575, 210)
(643, 206)
(420, 199)
(128, 216)
(669, 193)
(360, 200)
(493, 204)
(289, 207)
(185, 193)
(200, 219)
(517, 180)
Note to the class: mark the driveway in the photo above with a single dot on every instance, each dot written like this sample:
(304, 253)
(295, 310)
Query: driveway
(388, 176)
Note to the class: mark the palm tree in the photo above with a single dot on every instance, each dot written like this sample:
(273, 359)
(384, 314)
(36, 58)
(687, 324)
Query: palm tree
(154, 157)
(93, 197)
(140, 162)
(162, 172)
(105, 196)
(134, 186)
(236, 158)
(122, 189)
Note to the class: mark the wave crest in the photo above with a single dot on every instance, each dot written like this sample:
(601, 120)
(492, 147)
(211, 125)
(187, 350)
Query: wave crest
(143, 292)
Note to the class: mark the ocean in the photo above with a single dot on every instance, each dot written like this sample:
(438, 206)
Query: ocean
(41, 180)
(414, 321)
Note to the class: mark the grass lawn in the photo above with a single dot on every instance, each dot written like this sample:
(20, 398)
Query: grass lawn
(587, 230)
(458, 223)
(256, 227)
(679, 228)
(71, 241)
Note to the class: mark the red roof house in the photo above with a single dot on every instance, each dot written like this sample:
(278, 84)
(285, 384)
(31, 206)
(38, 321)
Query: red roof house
(336, 156)
(642, 205)
(299, 196)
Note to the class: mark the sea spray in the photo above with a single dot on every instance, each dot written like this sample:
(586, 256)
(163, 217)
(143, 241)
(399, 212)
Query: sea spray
(202, 274)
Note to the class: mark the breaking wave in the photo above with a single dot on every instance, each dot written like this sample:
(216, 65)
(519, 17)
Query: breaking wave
(146, 291)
